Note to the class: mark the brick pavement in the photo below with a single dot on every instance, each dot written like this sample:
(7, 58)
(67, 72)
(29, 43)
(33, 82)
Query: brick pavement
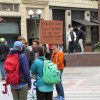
(81, 83)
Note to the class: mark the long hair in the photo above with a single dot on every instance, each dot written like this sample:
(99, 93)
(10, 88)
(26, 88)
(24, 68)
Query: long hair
(41, 51)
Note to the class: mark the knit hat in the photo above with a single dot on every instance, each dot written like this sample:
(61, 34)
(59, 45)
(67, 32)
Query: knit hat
(18, 44)
(2, 40)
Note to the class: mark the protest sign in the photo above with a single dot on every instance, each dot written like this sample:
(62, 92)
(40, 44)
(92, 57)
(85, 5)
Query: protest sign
(51, 32)
(5, 91)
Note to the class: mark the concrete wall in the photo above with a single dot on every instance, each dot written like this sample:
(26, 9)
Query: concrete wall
(85, 59)
(67, 3)
(74, 3)
(10, 1)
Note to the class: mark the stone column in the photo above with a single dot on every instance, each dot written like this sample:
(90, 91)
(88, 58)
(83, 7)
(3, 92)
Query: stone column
(88, 28)
(23, 21)
(50, 14)
(68, 23)
(46, 13)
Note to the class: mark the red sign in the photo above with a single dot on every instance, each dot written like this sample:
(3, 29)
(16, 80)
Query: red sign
(51, 32)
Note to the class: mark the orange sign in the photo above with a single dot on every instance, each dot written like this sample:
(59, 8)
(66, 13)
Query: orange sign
(51, 32)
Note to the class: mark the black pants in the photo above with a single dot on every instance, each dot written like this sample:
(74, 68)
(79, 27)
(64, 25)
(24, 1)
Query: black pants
(44, 95)
(71, 47)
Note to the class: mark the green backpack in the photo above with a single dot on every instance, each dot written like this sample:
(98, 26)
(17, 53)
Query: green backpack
(51, 74)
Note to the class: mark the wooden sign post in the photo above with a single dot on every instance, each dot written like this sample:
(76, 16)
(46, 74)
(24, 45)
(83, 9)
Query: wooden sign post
(51, 32)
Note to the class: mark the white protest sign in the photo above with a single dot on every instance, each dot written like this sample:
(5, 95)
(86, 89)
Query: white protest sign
(5, 91)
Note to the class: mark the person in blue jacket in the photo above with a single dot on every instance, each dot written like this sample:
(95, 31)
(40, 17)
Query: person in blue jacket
(43, 91)
(20, 91)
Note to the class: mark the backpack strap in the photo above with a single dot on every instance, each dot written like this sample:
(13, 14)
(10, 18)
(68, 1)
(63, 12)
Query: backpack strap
(43, 64)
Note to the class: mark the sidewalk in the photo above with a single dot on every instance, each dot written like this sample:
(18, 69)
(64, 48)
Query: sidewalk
(81, 83)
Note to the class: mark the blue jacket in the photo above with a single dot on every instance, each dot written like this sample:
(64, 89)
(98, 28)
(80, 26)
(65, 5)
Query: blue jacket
(24, 69)
(37, 69)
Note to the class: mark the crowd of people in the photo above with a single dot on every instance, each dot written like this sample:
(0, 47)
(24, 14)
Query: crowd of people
(30, 61)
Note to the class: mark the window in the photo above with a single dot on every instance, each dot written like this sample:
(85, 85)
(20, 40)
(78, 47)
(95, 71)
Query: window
(16, 8)
(76, 14)
(94, 15)
(9, 7)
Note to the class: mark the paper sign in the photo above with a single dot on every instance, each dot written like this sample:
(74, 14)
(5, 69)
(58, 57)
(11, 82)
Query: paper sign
(5, 91)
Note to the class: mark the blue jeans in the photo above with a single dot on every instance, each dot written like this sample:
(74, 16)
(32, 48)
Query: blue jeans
(59, 88)
(2, 70)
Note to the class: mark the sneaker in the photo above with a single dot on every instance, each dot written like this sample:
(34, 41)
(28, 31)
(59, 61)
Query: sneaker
(60, 98)
(55, 98)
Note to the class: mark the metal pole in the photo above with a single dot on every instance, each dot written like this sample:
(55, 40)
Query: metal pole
(35, 18)
(35, 26)
(39, 25)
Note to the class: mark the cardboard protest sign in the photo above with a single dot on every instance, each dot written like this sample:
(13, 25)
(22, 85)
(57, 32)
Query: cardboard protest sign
(51, 32)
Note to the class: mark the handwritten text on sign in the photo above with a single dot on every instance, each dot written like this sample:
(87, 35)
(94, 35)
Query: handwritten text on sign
(51, 32)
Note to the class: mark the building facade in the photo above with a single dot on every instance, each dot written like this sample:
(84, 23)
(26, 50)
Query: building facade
(99, 16)
(73, 13)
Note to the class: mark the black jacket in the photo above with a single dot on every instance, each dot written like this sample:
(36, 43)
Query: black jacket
(81, 35)
(32, 57)
(4, 50)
